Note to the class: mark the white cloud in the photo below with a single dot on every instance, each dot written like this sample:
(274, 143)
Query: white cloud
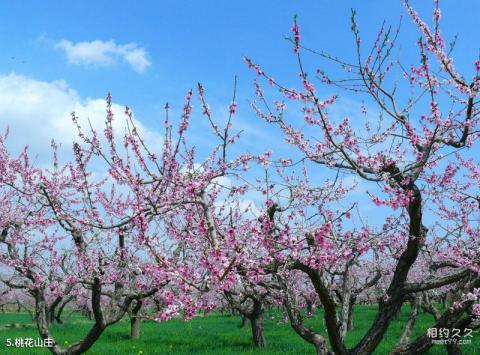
(38, 111)
(105, 53)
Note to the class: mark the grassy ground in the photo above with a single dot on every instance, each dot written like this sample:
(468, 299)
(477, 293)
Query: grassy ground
(213, 334)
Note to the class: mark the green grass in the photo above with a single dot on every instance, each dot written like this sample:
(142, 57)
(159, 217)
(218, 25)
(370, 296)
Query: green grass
(213, 334)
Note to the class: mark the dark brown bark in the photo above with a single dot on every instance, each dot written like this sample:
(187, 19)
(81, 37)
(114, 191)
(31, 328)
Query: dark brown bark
(92, 336)
(87, 313)
(329, 306)
(97, 328)
(58, 316)
(257, 331)
(256, 320)
(395, 296)
(101, 321)
(296, 322)
(437, 282)
(51, 311)
(321, 348)
(135, 321)
(350, 314)
(250, 307)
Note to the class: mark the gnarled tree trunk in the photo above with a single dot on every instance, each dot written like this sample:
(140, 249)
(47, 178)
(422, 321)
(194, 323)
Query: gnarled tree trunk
(296, 322)
(257, 330)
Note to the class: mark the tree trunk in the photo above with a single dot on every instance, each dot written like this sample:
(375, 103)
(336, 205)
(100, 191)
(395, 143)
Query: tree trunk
(135, 327)
(50, 310)
(350, 317)
(87, 313)
(296, 322)
(61, 307)
(320, 349)
(329, 307)
(257, 331)
(58, 316)
(394, 298)
(135, 321)
(94, 333)
(454, 349)
(346, 296)
(404, 339)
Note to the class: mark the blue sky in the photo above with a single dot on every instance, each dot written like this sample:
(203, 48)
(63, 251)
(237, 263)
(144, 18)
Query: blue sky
(174, 45)
(156, 50)
(190, 41)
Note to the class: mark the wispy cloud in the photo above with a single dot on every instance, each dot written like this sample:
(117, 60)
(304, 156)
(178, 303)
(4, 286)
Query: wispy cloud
(105, 53)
